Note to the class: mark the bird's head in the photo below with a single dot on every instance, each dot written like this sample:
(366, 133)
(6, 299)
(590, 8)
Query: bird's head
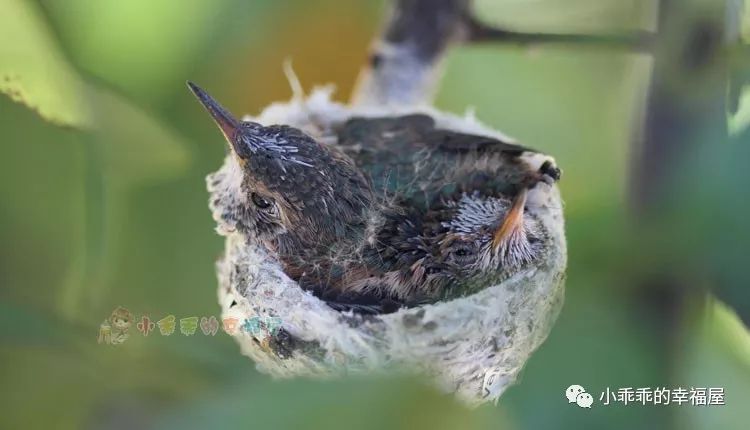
(466, 243)
(490, 237)
(293, 188)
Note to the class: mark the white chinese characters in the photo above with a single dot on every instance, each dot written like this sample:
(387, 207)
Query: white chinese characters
(694, 396)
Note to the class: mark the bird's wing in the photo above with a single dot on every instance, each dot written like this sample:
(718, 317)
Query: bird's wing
(409, 157)
(453, 141)
(415, 131)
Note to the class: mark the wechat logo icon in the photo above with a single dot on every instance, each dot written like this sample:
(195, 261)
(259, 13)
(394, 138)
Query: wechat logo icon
(578, 395)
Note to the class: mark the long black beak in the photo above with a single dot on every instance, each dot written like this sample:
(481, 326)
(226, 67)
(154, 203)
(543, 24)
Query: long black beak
(226, 122)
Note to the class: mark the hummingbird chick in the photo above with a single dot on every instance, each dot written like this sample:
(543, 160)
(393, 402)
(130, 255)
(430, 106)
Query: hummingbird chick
(304, 201)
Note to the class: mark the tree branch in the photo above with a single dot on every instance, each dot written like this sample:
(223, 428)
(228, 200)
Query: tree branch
(638, 41)
(404, 66)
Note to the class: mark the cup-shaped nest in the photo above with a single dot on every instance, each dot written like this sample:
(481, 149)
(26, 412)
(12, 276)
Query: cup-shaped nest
(474, 346)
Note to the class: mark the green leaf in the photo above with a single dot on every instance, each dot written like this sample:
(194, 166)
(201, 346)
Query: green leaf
(139, 46)
(717, 356)
(740, 121)
(33, 70)
(353, 403)
(129, 147)
(133, 144)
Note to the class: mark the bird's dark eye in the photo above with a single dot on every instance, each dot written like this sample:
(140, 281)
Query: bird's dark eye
(463, 255)
(260, 201)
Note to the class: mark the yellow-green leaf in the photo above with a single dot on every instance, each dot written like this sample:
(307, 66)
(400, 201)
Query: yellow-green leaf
(717, 356)
(740, 120)
(134, 146)
(33, 70)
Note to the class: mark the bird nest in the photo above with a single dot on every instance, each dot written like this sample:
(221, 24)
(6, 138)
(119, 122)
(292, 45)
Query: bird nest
(474, 346)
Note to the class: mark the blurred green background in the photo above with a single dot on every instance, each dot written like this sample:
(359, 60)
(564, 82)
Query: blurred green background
(103, 204)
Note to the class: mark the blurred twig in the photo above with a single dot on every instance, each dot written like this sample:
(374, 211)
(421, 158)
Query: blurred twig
(638, 41)
(405, 63)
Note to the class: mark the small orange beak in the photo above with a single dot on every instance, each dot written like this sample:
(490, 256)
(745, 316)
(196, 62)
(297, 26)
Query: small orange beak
(513, 221)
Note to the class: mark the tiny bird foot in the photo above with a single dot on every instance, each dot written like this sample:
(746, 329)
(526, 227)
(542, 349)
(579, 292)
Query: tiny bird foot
(550, 172)
(541, 168)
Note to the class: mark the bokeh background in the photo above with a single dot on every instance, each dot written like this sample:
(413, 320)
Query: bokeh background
(103, 154)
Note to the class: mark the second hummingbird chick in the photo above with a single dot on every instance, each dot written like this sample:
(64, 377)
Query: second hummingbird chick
(460, 212)
(458, 246)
